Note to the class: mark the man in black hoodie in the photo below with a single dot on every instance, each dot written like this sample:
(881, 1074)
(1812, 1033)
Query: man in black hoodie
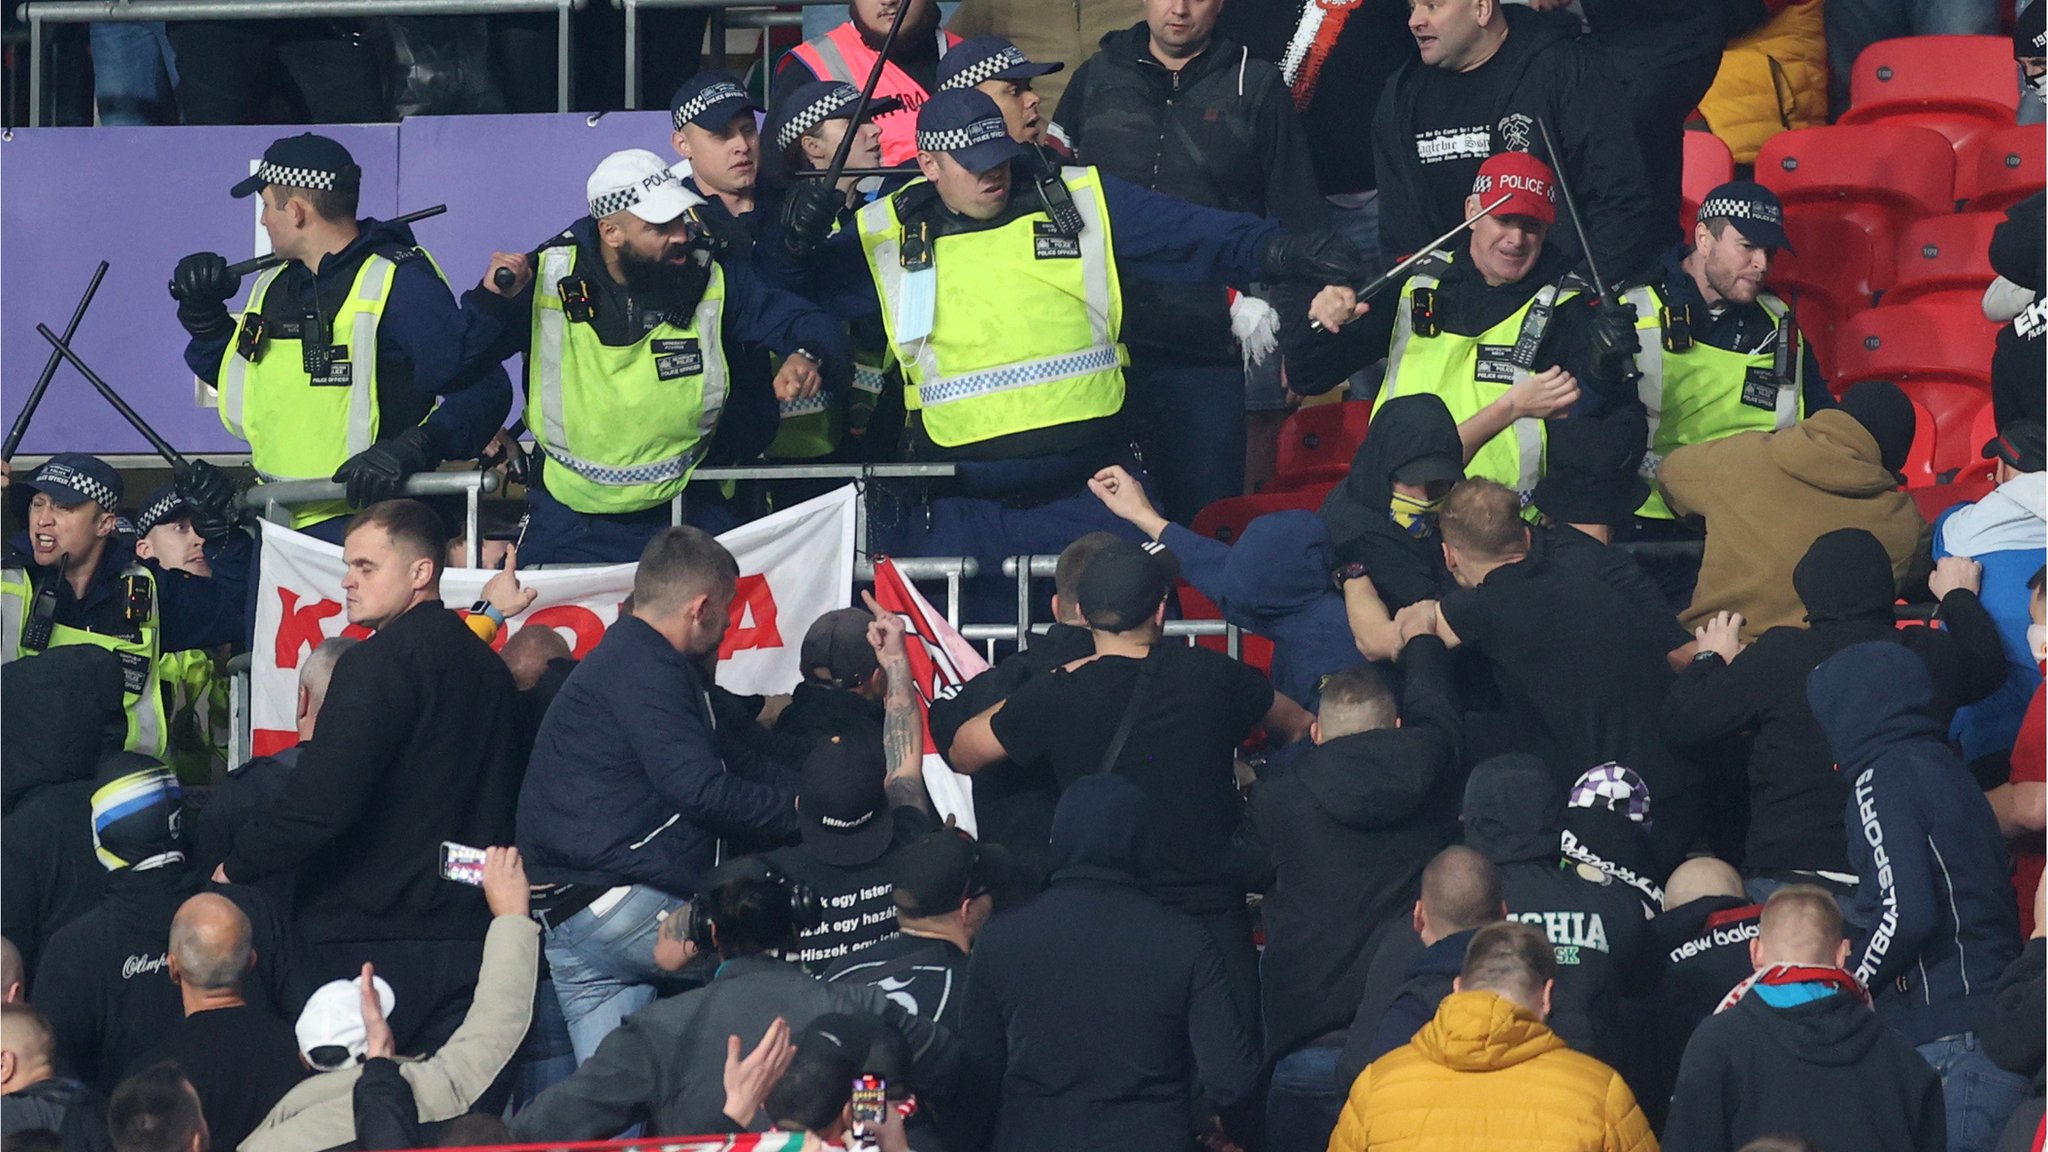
(1169, 105)
(1796, 795)
(1095, 1013)
(1796, 1049)
(841, 692)
(1701, 942)
(1514, 814)
(1337, 840)
(1935, 912)
(1488, 71)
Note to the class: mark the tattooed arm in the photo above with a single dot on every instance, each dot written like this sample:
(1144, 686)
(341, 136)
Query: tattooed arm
(902, 730)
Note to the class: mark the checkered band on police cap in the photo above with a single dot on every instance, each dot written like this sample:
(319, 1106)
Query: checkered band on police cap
(64, 476)
(166, 507)
(988, 69)
(955, 139)
(296, 177)
(703, 101)
(621, 199)
(815, 113)
(1743, 208)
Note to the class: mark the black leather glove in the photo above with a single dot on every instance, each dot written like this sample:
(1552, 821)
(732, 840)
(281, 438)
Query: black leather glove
(202, 285)
(807, 214)
(210, 499)
(1324, 257)
(1615, 342)
(376, 473)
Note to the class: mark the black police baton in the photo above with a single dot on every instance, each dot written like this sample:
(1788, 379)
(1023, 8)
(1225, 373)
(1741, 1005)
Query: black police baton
(35, 395)
(837, 168)
(264, 263)
(163, 447)
(1419, 255)
(1630, 374)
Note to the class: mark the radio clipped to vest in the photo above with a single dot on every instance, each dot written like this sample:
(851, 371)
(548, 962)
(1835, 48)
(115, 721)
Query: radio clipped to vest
(1059, 204)
(1535, 326)
(42, 612)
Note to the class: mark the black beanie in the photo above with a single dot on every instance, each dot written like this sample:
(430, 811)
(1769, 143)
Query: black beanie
(2030, 32)
(1846, 574)
(1887, 415)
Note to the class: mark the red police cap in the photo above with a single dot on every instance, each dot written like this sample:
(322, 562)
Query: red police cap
(1528, 183)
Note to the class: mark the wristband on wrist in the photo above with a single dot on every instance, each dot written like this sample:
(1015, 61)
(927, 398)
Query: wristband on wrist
(488, 610)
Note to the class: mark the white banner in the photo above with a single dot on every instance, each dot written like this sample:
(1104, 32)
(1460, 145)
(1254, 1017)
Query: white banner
(795, 566)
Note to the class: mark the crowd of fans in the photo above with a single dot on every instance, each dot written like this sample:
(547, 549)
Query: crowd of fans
(1613, 780)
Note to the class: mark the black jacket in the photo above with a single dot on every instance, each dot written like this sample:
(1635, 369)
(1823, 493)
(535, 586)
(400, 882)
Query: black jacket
(416, 747)
(1829, 1070)
(1338, 841)
(1372, 46)
(1423, 978)
(1934, 904)
(1404, 566)
(249, 788)
(818, 712)
(2017, 374)
(76, 1113)
(60, 713)
(103, 981)
(1536, 73)
(1702, 951)
(1514, 814)
(2011, 1037)
(1220, 132)
(1093, 1012)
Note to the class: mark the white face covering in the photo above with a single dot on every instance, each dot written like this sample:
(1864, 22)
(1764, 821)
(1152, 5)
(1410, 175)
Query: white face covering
(2039, 86)
(2037, 641)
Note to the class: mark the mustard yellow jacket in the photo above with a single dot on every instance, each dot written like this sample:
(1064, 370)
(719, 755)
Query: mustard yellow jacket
(1772, 78)
(1486, 1074)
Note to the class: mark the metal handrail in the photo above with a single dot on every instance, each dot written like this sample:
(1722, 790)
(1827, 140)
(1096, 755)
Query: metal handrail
(855, 472)
(269, 500)
(750, 15)
(37, 13)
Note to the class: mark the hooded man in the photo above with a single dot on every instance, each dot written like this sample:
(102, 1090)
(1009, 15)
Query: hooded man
(1094, 1012)
(1796, 795)
(1514, 815)
(1766, 496)
(1796, 1048)
(1937, 918)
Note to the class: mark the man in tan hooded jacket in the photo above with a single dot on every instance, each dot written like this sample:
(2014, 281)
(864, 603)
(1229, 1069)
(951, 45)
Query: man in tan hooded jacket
(1767, 496)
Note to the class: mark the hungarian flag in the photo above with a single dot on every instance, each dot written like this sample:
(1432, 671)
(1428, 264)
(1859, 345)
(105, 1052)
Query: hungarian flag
(940, 661)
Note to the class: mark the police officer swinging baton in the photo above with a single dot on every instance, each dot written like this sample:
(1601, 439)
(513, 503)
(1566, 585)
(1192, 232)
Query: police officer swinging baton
(35, 396)
(1394, 273)
(163, 447)
(1630, 374)
(263, 263)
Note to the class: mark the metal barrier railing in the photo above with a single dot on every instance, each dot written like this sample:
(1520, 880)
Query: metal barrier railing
(271, 500)
(37, 13)
(723, 14)
(864, 567)
(1025, 569)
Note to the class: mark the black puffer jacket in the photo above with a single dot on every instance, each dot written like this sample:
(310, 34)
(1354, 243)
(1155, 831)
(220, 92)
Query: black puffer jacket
(1222, 133)
(1514, 815)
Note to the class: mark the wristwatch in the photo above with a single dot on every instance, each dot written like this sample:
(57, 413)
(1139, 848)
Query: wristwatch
(1346, 574)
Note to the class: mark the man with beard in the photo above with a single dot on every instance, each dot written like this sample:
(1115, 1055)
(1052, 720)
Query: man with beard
(630, 327)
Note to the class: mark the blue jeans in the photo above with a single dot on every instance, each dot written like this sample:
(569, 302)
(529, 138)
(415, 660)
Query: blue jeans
(1303, 1105)
(603, 964)
(1977, 1095)
(1853, 25)
(545, 1057)
(134, 73)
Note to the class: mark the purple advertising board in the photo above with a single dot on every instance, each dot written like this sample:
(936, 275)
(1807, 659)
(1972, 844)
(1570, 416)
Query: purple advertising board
(509, 182)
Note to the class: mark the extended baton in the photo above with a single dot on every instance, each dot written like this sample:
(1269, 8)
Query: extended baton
(1571, 206)
(263, 263)
(162, 446)
(1394, 273)
(837, 168)
(820, 173)
(35, 395)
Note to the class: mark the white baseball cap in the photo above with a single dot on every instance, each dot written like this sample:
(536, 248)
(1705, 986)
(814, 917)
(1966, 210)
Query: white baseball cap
(330, 1028)
(637, 181)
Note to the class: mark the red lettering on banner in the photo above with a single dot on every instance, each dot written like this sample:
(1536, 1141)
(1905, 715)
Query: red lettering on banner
(299, 628)
(750, 623)
(579, 620)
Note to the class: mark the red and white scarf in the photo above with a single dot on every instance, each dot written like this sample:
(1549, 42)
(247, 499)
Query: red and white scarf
(1775, 974)
(1322, 21)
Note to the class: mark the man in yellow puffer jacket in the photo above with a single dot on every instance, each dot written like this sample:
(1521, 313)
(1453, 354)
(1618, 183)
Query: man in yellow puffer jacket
(1774, 75)
(1488, 1073)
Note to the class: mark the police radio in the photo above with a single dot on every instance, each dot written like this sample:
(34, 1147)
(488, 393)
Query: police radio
(1059, 203)
(42, 614)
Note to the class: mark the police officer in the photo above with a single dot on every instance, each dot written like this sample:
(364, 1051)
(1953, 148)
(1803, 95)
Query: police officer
(998, 68)
(1719, 353)
(630, 326)
(195, 689)
(335, 365)
(71, 580)
(1000, 293)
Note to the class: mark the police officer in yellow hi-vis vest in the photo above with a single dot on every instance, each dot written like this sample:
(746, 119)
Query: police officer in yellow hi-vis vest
(628, 322)
(999, 282)
(71, 580)
(1720, 354)
(335, 365)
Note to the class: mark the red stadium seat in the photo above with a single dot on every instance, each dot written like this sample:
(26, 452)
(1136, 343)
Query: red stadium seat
(1915, 342)
(1708, 165)
(2003, 168)
(1944, 260)
(1954, 408)
(1938, 498)
(1253, 649)
(1960, 86)
(1881, 176)
(1225, 519)
(1826, 280)
(1317, 443)
(1919, 469)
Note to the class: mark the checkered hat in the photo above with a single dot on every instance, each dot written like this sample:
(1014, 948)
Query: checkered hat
(72, 478)
(637, 181)
(303, 161)
(165, 505)
(809, 105)
(1752, 208)
(981, 58)
(710, 100)
(967, 125)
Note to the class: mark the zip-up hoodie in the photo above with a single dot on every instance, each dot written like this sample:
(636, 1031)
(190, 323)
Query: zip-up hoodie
(1942, 922)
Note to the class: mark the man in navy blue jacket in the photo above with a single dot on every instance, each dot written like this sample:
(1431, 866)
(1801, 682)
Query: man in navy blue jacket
(1934, 910)
(626, 797)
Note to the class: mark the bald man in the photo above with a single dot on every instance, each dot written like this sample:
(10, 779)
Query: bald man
(540, 660)
(13, 975)
(33, 1096)
(1702, 947)
(239, 1058)
(1797, 1049)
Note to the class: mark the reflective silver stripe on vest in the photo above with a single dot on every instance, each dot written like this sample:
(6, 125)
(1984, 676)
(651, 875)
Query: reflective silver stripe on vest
(555, 264)
(869, 380)
(15, 601)
(654, 472)
(835, 62)
(235, 379)
(949, 390)
(1650, 362)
